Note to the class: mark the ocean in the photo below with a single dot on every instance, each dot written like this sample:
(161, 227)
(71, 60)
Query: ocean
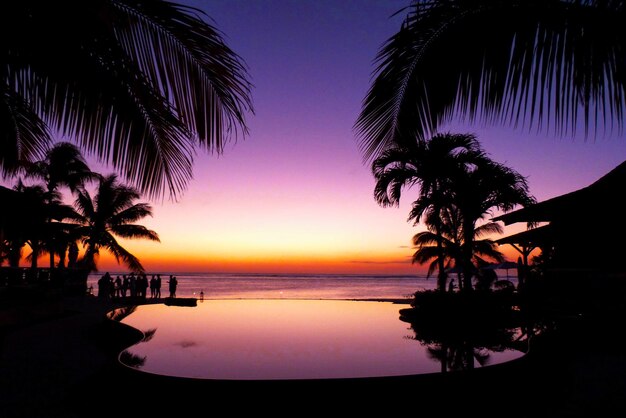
(291, 286)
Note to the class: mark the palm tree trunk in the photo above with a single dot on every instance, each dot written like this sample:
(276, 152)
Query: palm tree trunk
(441, 278)
(51, 251)
(35, 255)
(467, 253)
(88, 261)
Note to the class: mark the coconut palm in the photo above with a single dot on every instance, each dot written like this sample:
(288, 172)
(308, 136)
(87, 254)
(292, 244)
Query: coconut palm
(140, 85)
(109, 214)
(427, 165)
(544, 63)
(63, 165)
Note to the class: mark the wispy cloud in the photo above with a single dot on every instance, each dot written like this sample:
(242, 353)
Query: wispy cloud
(186, 344)
(397, 261)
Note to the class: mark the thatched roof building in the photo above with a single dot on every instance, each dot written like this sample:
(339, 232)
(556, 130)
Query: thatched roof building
(582, 229)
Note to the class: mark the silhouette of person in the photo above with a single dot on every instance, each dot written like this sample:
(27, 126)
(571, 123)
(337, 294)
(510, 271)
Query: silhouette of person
(157, 287)
(125, 285)
(118, 287)
(173, 284)
(153, 286)
(451, 286)
(104, 286)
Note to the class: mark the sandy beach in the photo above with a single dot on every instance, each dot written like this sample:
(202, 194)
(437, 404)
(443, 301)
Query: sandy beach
(61, 361)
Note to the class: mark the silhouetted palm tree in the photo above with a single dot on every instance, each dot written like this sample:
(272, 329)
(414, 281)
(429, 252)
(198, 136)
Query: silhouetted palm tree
(141, 85)
(478, 190)
(110, 213)
(39, 220)
(428, 165)
(537, 62)
(459, 186)
(428, 251)
(459, 357)
(63, 165)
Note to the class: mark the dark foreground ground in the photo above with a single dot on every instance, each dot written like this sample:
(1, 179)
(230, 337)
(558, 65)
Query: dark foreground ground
(59, 359)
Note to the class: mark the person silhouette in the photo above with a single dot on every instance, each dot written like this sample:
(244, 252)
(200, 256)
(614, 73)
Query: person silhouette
(158, 287)
(173, 284)
(153, 286)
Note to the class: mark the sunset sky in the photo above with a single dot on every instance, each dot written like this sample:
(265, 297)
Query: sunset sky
(295, 194)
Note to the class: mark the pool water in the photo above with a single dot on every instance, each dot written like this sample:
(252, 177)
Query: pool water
(267, 339)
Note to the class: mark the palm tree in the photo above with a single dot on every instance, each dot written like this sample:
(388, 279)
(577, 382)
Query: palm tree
(37, 223)
(543, 63)
(140, 85)
(476, 191)
(110, 213)
(63, 165)
(428, 250)
(30, 227)
(459, 186)
(426, 164)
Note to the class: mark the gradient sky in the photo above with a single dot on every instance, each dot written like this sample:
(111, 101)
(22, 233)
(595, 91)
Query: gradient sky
(295, 195)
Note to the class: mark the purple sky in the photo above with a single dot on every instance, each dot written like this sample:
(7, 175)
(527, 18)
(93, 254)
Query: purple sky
(295, 195)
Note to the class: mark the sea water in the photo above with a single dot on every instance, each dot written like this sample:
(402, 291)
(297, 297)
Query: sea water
(289, 286)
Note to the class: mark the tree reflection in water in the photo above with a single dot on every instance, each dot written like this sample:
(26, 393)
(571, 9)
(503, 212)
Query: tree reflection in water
(132, 360)
(463, 331)
(126, 357)
(461, 349)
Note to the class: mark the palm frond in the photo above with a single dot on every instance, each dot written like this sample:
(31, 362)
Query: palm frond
(189, 55)
(84, 205)
(134, 231)
(489, 249)
(121, 254)
(542, 64)
(488, 228)
(107, 240)
(26, 136)
(391, 182)
(131, 214)
(138, 84)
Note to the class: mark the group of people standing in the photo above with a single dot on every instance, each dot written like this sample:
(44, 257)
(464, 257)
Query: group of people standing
(134, 286)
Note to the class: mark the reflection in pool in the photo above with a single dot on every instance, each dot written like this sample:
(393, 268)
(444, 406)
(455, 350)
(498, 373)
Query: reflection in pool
(282, 339)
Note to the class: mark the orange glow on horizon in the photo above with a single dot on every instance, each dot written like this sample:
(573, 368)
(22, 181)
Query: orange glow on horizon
(384, 264)
(307, 259)
(156, 258)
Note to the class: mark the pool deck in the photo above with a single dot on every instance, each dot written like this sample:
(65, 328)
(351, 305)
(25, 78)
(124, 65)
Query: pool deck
(64, 364)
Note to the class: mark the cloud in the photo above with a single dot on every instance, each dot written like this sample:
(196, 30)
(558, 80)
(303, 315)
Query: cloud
(186, 344)
(399, 261)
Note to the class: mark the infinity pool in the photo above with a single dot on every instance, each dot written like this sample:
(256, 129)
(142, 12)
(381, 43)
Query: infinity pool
(285, 339)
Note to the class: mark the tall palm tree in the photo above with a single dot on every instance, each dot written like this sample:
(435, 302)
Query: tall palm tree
(478, 190)
(459, 186)
(426, 164)
(110, 213)
(542, 63)
(140, 84)
(63, 165)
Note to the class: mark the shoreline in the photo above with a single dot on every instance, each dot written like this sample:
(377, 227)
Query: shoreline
(58, 366)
